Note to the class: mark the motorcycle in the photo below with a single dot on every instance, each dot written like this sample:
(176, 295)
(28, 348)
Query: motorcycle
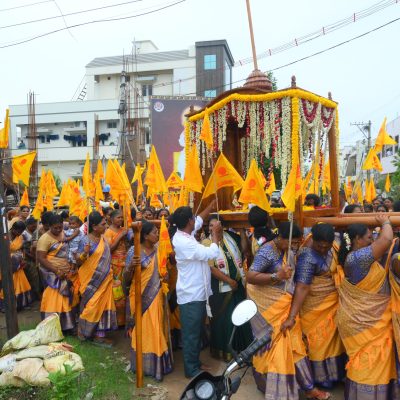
(206, 386)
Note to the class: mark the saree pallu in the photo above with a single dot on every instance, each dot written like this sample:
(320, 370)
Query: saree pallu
(157, 360)
(283, 368)
(364, 320)
(22, 288)
(118, 257)
(58, 296)
(97, 302)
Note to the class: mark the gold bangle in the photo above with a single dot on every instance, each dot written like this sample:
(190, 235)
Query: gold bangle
(83, 256)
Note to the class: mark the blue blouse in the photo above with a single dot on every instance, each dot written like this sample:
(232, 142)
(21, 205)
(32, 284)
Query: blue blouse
(310, 263)
(358, 264)
(83, 242)
(268, 259)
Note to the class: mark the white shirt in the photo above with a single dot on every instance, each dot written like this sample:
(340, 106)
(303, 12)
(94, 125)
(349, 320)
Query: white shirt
(194, 275)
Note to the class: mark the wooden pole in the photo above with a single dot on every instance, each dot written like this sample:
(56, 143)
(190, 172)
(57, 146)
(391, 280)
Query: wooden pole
(137, 227)
(253, 45)
(333, 165)
(10, 305)
(343, 222)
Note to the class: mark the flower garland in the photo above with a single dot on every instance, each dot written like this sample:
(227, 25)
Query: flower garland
(295, 130)
(286, 146)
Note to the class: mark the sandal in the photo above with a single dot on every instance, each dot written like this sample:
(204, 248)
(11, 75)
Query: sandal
(103, 342)
(316, 394)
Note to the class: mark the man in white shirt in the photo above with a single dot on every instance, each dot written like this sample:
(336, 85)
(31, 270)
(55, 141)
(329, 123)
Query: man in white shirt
(193, 286)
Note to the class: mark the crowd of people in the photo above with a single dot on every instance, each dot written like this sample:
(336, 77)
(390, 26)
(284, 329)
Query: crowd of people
(329, 300)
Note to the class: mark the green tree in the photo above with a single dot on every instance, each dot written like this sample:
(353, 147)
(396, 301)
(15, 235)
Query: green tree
(395, 178)
(273, 80)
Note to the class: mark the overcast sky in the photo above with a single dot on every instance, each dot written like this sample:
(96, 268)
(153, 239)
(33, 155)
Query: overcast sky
(362, 75)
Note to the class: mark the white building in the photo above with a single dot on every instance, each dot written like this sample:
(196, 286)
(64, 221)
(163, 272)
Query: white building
(67, 131)
(388, 153)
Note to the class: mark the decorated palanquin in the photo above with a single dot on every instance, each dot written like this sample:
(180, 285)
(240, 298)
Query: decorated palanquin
(252, 122)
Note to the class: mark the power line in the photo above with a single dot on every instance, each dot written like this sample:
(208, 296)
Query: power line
(68, 14)
(26, 5)
(90, 23)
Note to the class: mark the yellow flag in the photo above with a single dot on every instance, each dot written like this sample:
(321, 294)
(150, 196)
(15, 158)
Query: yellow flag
(87, 181)
(348, 189)
(155, 180)
(155, 201)
(272, 186)
(372, 188)
(253, 190)
(307, 179)
(183, 197)
(76, 200)
(164, 248)
(100, 170)
(39, 206)
(327, 175)
(383, 138)
(174, 181)
(51, 187)
(193, 180)
(205, 133)
(65, 196)
(387, 183)
(372, 161)
(357, 193)
(21, 167)
(293, 188)
(24, 199)
(5, 132)
(368, 196)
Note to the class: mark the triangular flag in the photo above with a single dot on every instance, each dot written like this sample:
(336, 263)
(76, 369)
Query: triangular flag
(205, 133)
(253, 190)
(348, 189)
(164, 248)
(387, 183)
(383, 138)
(155, 201)
(368, 196)
(39, 206)
(272, 186)
(65, 196)
(372, 188)
(100, 170)
(223, 175)
(372, 161)
(155, 180)
(5, 131)
(174, 181)
(21, 167)
(193, 181)
(51, 187)
(87, 181)
(24, 199)
(293, 188)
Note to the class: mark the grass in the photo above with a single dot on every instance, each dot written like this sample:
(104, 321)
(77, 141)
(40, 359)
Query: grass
(104, 376)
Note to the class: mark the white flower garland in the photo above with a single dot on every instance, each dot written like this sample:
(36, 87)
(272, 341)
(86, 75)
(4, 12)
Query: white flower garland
(285, 147)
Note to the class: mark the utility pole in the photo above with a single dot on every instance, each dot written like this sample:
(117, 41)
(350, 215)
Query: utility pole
(122, 110)
(365, 129)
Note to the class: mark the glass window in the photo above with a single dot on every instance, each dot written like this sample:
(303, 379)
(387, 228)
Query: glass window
(147, 90)
(210, 61)
(111, 125)
(210, 93)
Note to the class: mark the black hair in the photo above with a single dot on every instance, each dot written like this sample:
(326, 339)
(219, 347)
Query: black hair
(371, 208)
(354, 231)
(384, 206)
(106, 210)
(377, 199)
(116, 206)
(323, 233)
(389, 198)
(182, 216)
(171, 226)
(30, 221)
(18, 226)
(258, 219)
(147, 227)
(149, 209)
(349, 209)
(94, 219)
(46, 216)
(133, 213)
(159, 211)
(64, 214)
(114, 213)
(312, 196)
(284, 230)
(23, 207)
(75, 219)
(55, 219)
(396, 206)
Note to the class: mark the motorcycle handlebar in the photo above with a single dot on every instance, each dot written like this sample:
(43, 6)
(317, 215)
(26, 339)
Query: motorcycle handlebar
(245, 356)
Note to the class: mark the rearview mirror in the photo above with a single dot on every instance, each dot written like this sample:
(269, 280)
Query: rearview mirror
(244, 312)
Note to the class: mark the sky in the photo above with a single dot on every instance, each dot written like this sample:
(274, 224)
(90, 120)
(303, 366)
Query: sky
(362, 75)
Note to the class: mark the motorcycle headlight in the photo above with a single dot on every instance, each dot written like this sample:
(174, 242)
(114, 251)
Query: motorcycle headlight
(204, 390)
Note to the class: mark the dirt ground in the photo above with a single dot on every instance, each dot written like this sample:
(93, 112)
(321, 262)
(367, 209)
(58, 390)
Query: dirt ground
(173, 383)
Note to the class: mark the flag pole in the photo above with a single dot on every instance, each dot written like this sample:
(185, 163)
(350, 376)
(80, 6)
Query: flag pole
(290, 218)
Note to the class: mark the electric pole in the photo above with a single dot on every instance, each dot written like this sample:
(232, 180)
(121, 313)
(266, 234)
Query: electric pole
(365, 129)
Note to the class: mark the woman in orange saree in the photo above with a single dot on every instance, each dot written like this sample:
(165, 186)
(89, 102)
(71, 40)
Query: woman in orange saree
(22, 288)
(316, 300)
(58, 275)
(364, 317)
(116, 238)
(156, 355)
(283, 368)
(97, 308)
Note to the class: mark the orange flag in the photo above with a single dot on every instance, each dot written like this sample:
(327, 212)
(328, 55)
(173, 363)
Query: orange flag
(193, 181)
(368, 195)
(154, 180)
(348, 189)
(383, 138)
(387, 183)
(372, 188)
(253, 190)
(155, 201)
(372, 161)
(5, 132)
(293, 188)
(51, 187)
(39, 206)
(24, 199)
(223, 175)
(100, 170)
(272, 185)
(65, 196)
(87, 181)
(205, 133)
(21, 167)
(164, 248)
(174, 181)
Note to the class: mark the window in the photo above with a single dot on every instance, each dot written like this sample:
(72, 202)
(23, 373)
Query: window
(210, 93)
(147, 90)
(210, 61)
(111, 125)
